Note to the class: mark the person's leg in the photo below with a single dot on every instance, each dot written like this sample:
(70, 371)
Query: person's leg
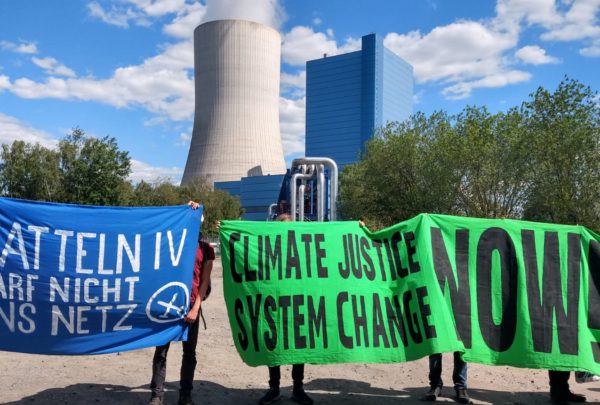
(559, 380)
(274, 377)
(585, 377)
(272, 394)
(299, 395)
(159, 371)
(559, 388)
(459, 377)
(188, 365)
(435, 370)
(298, 374)
(435, 377)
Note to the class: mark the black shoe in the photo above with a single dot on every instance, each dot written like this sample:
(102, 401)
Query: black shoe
(565, 397)
(155, 401)
(300, 396)
(461, 396)
(186, 399)
(432, 394)
(271, 396)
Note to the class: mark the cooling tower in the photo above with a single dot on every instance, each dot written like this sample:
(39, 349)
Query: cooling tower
(236, 123)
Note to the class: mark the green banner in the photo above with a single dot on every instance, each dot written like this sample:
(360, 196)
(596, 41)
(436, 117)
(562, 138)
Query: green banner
(508, 292)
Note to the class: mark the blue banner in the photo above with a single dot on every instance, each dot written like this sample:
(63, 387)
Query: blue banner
(89, 280)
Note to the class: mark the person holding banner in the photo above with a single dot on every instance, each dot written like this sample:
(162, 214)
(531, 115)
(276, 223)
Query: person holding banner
(298, 394)
(205, 255)
(559, 388)
(459, 377)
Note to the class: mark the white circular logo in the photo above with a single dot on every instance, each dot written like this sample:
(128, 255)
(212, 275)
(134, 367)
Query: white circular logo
(170, 302)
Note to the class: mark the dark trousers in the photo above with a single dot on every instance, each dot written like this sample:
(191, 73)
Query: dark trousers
(459, 375)
(188, 365)
(297, 376)
(559, 380)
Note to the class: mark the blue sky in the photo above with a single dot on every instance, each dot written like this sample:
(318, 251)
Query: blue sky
(124, 68)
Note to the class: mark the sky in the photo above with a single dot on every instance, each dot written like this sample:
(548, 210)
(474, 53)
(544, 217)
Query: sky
(124, 68)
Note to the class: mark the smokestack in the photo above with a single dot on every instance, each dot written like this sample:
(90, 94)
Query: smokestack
(236, 122)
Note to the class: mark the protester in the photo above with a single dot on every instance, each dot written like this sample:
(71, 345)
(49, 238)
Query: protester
(200, 284)
(459, 377)
(559, 388)
(298, 393)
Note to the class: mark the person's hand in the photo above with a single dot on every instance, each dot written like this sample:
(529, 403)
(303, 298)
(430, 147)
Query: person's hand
(218, 225)
(361, 223)
(194, 205)
(191, 316)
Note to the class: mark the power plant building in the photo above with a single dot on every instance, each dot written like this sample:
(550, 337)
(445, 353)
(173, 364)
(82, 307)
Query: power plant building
(236, 123)
(349, 96)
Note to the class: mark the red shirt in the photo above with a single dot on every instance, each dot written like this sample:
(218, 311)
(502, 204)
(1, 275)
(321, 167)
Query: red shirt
(204, 252)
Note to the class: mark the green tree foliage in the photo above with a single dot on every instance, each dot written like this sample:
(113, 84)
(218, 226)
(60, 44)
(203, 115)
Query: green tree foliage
(491, 160)
(30, 172)
(93, 170)
(563, 132)
(540, 161)
(87, 170)
(218, 204)
(399, 176)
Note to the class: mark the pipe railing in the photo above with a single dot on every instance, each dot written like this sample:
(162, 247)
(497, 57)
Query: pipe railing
(333, 186)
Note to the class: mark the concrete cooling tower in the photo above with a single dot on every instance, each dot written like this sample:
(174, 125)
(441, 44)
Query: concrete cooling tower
(236, 123)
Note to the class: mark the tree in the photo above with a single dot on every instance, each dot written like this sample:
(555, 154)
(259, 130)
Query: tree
(29, 171)
(539, 162)
(218, 204)
(405, 170)
(93, 170)
(563, 129)
(491, 160)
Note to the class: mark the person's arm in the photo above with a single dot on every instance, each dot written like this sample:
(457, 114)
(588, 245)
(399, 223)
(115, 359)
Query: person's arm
(205, 279)
(192, 314)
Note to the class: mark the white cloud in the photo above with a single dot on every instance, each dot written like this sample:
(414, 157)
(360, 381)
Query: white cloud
(4, 82)
(144, 171)
(52, 67)
(291, 121)
(186, 21)
(184, 138)
(158, 8)
(591, 51)
(567, 20)
(303, 43)
(317, 21)
(268, 12)
(534, 55)
(465, 55)
(12, 129)
(23, 47)
(118, 15)
(162, 84)
(463, 89)
(578, 22)
(533, 12)
(293, 85)
(122, 13)
(458, 51)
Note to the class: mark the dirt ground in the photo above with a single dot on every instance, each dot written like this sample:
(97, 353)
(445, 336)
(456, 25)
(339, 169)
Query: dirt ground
(222, 378)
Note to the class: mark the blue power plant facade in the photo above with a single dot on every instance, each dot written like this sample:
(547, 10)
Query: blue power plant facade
(349, 96)
(256, 193)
